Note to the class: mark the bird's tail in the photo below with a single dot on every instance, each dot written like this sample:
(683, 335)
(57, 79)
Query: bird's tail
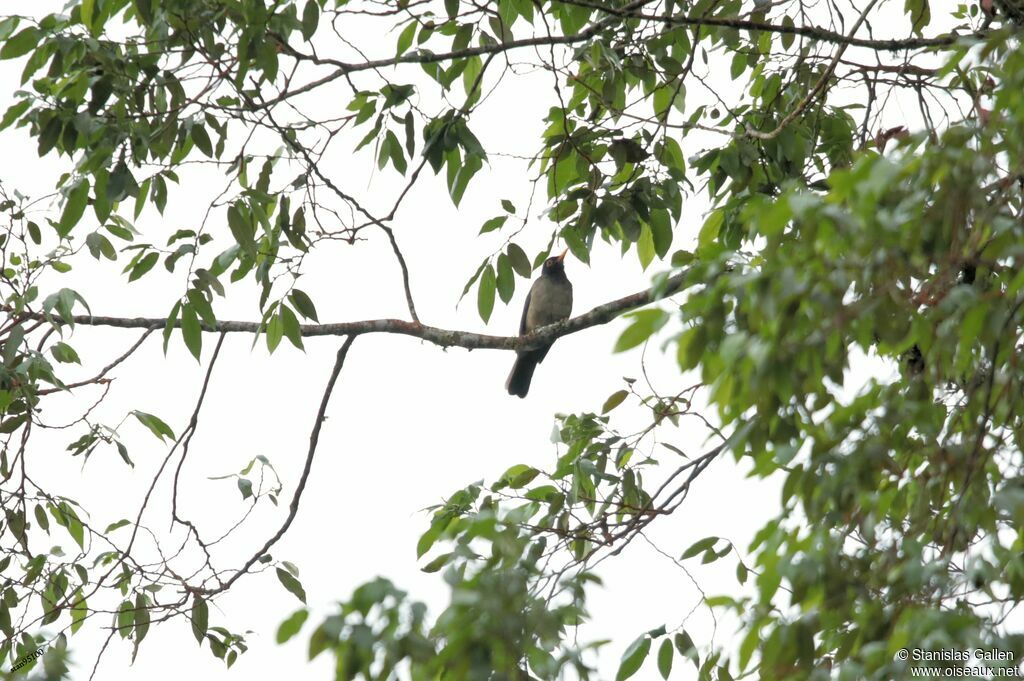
(518, 382)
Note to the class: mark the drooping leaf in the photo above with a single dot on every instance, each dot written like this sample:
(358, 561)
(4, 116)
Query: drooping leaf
(485, 293)
(291, 584)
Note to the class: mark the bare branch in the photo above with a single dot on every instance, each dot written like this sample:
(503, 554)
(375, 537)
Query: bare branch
(602, 314)
(100, 377)
(314, 439)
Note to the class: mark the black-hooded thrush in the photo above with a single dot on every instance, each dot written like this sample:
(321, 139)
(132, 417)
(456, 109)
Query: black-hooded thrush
(549, 301)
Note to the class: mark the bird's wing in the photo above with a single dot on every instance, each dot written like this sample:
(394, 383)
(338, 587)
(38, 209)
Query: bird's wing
(526, 311)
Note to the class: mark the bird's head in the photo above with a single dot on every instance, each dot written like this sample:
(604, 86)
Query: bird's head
(555, 264)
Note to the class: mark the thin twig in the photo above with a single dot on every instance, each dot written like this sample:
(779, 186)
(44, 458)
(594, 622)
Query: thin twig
(314, 439)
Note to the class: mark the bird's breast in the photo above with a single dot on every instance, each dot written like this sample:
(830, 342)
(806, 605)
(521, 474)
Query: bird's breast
(550, 302)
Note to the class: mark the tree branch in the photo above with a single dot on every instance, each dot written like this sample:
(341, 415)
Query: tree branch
(813, 32)
(424, 56)
(104, 371)
(628, 11)
(602, 314)
(314, 439)
(819, 87)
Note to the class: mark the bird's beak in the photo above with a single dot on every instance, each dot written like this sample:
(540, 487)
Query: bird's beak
(561, 258)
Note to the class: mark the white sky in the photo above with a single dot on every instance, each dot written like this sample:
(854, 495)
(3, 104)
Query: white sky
(408, 423)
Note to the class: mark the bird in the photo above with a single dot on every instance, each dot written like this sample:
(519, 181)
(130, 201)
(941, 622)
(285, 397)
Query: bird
(1013, 10)
(549, 301)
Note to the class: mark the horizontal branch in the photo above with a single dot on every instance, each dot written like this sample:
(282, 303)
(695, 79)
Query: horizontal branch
(602, 314)
(627, 12)
(424, 56)
(813, 32)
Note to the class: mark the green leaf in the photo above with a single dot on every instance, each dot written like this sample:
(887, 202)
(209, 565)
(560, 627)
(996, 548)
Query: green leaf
(201, 305)
(661, 232)
(395, 152)
(682, 258)
(41, 518)
(614, 400)
(428, 538)
(788, 36)
(684, 644)
(120, 184)
(698, 547)
(410, 134)
(303, 304)
(245, 487)
(645, 324)
(310, 19)
(507, 12)
(518, 476)
(241, 228)
(474, 66)
(291, 584)
(191, 330)
(86, 9)
(972, 324)
(79, 611)
(122, 451)
(633, 658)
(485, 293)
(123, 231)
(74, 208)
(459, 180)
(145, 10)
(519, 260)
(14, 113)
(143, 265)
(125, 618)
(292, 625)
(645, 246)
(405, 38)
(172, 318)
(437, 563)
(709, 231)
(665, 654)
(508, 206)
(99, 245)
(739, 64)
(64, 353)
(202, 139)
(200, 617)
(155, 425)
(12, 344)
(576, 244)
(506, 279)
(20, 44)
(493, 224)
(290, 326)
(141, 617)
(12, 424)
(63, 301)
(920, 13)
(116, 525)
(275, 332)
(75, 528)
